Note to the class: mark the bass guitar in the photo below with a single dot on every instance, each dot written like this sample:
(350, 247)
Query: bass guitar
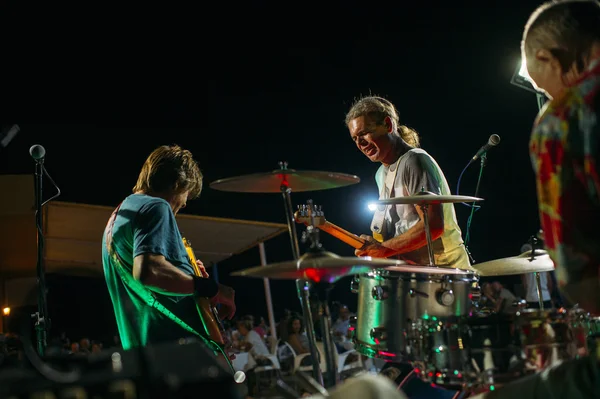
(213, 328)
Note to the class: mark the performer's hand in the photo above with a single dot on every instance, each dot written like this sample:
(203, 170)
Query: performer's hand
(372, 248)
(226, 297)
(202, 269)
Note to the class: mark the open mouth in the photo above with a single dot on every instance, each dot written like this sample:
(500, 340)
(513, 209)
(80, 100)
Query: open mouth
(370, 150)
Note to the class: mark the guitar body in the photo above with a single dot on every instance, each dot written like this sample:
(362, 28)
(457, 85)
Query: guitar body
(213, 328)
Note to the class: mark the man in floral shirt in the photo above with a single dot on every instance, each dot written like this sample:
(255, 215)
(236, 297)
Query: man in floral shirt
(564, 143)
(561, 45)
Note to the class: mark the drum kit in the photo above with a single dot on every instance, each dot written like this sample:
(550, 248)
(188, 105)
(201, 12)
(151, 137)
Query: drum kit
(426, 315)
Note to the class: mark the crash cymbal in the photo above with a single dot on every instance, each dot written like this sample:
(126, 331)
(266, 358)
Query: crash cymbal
(296, 180)
(328, 267)
(427, 197)
(521, 264)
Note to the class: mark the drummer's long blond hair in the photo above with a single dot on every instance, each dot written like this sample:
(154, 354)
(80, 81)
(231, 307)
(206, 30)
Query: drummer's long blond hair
(379, 108)
(170, 168)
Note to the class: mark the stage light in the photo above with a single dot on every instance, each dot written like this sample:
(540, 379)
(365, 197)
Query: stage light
(372, 206)
(6, 311)
(521, 79)
(523, 70)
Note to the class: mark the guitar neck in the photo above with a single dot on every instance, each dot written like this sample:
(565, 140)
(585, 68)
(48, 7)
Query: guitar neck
(344, 235)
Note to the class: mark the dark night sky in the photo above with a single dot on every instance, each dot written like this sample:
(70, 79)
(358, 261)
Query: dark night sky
(246, 86)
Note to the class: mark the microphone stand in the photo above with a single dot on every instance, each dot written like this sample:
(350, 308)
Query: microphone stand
(41, 316)
(483, 159)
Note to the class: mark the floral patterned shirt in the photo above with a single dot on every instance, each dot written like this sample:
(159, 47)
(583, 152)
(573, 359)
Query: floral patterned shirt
(564, 149)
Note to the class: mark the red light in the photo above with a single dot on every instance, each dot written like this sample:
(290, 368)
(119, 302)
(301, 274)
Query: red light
(438, 374)
(388, 354)
(430, 374)
(313, 275)
(284, 180)
(417, 370)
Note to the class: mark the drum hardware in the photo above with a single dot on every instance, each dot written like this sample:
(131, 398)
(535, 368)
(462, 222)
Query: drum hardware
(379, 293)
(323, 269)
(354, 285)
(445, 297)
(413, 293)
(533, 240)
(378, 334)
(423, 199)
(283, 180)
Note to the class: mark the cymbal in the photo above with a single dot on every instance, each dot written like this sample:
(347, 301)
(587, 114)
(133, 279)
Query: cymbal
(427, 197)
(520, 264)
(297, 180)
(328, 267)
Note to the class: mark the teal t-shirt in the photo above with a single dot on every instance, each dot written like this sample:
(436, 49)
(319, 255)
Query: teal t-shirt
(146, 224)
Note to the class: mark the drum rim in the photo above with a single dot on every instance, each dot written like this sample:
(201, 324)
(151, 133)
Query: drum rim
(467, 278)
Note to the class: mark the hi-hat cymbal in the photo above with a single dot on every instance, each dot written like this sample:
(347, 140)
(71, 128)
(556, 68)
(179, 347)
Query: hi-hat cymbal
(520, 264)
(296, 180)
(328, 267)
(427, 197)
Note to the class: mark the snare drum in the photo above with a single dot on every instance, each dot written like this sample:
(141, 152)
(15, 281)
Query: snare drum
(390, 301)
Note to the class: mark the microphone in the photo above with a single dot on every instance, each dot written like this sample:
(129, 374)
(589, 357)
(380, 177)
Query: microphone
(37, 152)
(493, 141)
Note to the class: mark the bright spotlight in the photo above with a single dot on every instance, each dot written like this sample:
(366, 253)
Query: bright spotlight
(520, 78)
(6, 311)
(523, 69)
(372, 207)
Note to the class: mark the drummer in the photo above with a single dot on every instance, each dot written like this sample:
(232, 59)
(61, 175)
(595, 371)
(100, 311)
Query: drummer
(405, 170)
(399, 230)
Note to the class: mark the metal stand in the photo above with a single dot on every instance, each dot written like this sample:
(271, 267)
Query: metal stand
(41, 316)
(538, 283)
(322, 290)
(302, 286)
(483, 159)
(425, 209)
(538, 280)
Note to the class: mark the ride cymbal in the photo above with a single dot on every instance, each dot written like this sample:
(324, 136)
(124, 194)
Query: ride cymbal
(520, 264)
(427, 197)
(274, 181)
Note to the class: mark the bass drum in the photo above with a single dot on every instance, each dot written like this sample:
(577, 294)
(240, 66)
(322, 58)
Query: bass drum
(391, 302)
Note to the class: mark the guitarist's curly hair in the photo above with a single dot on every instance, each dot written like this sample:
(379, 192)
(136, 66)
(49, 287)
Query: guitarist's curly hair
(170, 167)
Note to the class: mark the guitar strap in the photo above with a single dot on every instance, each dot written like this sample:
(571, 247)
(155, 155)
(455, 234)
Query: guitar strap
(145, 294)
(387, 190)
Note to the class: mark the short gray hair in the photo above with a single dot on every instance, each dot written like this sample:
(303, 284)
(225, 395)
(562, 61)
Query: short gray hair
(566, 28)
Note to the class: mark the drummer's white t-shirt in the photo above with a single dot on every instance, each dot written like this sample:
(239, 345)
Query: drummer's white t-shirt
(418, 171)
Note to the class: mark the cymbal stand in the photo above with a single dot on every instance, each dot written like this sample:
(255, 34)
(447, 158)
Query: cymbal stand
(538, 279)
(425, 209)
(302, 286)
(322, 289)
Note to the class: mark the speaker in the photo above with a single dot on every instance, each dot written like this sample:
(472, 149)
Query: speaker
(169, 370)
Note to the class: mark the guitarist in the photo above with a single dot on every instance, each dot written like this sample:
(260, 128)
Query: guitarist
(148, 273)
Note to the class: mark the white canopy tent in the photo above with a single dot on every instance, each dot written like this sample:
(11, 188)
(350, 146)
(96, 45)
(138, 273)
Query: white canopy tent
(73, 239)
